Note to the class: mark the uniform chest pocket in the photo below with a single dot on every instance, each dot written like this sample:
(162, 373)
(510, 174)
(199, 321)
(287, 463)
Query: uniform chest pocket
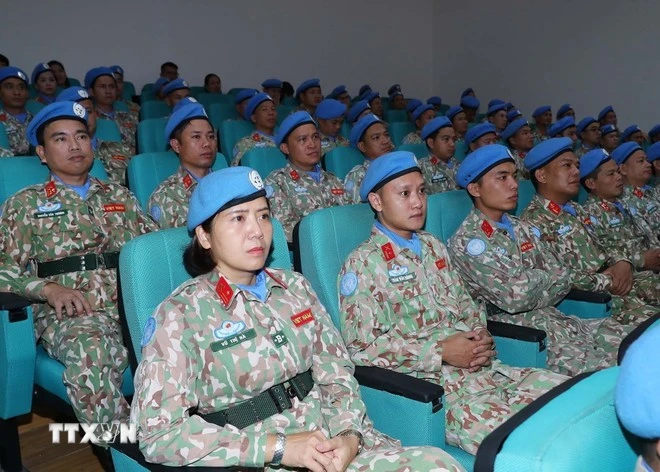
(410, 302)
(51, 220)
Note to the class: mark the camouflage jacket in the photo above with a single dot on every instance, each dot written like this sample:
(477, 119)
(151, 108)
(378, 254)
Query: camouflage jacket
(168, 204)
(127, 123)
(353, 181)
(412, 138)
(255, 140)
(519, 157)
(328, 143)
(114, 157)
(644, 204)
(16, 133)
(439, 176)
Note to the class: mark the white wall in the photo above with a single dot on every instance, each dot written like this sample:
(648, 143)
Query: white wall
(343, 41)
(589, 53)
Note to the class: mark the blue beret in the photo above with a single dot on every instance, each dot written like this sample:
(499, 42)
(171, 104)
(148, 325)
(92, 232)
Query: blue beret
(330, 109)
(509, 106)
(176, 84)
(653, 152)
(629, 132)
(496, 101)
(412, 104)
(160, 83)
(39, 69)
(183, 102)
(117, 70)
(478, 131)
(356, 110)
(435, 101)
(271, 83)
(541, 110)
(371, 96)
(469, 101)
(420, 110)
(337, 91)
(655, 130)
(495, 108)
(290, 123)
(592, 160)
(624, 151)
(385, 169)
(479, 162)
(466, 92)
(584, 122)
(607, 129)
(306, 85)
(244, 95)
(604, 111)
(513, 114)
(362, 125)
(546, 151)
(95, 73)
(185, 113)
(221, 190)
(513, 128)
(396, 88)
(366, 88)
(565, 108)
(11, 71)
(54, 112)
(434, 125)
(560, 125)
(73, 94)
(395, 94)
(636, 393)
(254, 102)
(453, 111)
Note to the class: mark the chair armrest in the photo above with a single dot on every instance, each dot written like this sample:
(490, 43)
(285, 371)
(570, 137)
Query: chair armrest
(587, 296)
(400, 384)
(14, 305)
(585, 304)
(133, 453)
(523, 333)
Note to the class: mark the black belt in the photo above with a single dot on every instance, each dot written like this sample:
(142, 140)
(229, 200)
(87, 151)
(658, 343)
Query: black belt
(271, 402)
(493, 310)
(107, 260)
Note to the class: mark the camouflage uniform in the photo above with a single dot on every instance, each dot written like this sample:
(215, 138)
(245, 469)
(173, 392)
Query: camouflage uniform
(412, 138)
(519, 157)
(47, 222)
(644, 204)
(256, 139)
(398, 308)
(16, 132)
(213, 345)
(168, 204)
(619, 233)
(538, 136)
(439, 176)
(574, 239)
(114, 157)
(328, 143)
(522, 280)
(293, 194)
(582, 150)
(127, 124)
(353, 181)
(6, 152)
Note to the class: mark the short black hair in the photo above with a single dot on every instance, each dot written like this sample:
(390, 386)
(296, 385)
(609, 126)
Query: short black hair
(533, 179)
(208, 77)
(592, 175)
(4, 59)
(168, 64)
(287, 89)
(431, 136)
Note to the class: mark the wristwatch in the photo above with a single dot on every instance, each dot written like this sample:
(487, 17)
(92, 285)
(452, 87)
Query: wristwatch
(357, 434)
(278, 453)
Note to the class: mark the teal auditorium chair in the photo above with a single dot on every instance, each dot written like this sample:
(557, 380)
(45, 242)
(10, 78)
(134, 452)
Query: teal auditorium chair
(393, 116)
(151, 135)
(208, 99)
(399, 129)
(461, 151)
(107, 130)
(153, 109)
(147, 171)
(147, 93)
(219, 112)
(341, 160)
(129, 90)
(34, 107)
(197, 90)
(4, 141)
(345, 130)
(419, 150)
(264, 160)
(230, 132)
(283, 111)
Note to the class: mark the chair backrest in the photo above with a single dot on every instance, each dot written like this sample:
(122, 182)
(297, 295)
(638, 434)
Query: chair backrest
(208, 99)
(147, 93)
(526, 192)
(34, 107)
(393, 116)
(419, 150)
(445, 213)
(146, 171)
(399, 130)
(264, 160)
(107, 130)
(342, 159)
(4, 141)
(219, 112)
(151, 267)
(153, 109)
(74, 82)
(151, 135)
(345, 129)
(17, 173)
(325, 239)
(582, 195)
(129, 90)
(196, 91)
(231, 132)
(283, 111)
(572, 427)
(461, 151)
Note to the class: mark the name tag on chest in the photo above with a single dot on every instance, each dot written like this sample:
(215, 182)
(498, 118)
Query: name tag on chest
(233, 340)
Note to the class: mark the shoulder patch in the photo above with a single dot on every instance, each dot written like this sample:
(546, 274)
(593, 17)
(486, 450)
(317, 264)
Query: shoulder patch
(348, 284)
(349, 185)
(149, 331)
(536, 231)
(270, 191)
(156, 213)
(476, 247)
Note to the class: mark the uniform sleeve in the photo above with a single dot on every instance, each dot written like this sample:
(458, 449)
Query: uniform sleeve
(238, 152)
(160, 205)
(473, 313)
(165, 393)
(374, 333)
(352, 187)
(115, 158)
(282, 206)
(141, 222)
(4, 152)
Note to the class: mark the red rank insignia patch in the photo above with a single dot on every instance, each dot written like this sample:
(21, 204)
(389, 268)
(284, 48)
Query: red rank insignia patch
(526, 246)
(487, 228)
(302, 318)
(119, 157)
(587, 221)
(294, 175)
(337, 191)
(111, 207)
(224, 290)
(187, 181)
(434, 160)
(638, 193)
(605, 206)
(441, 264)
(388, 251)
(553, 207)
(50, 189)
(256, 137)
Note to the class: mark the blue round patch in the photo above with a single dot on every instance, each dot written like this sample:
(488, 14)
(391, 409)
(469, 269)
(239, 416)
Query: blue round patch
(348, 284)
(536, 231)
(149, 331)
(594, 220)
(349, 185)
(270, 191)
(476, 247)
(156, 213)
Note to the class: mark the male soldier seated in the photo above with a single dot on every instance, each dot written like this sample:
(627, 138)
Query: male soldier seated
(370, 136)
(470, 105)
(376, 104)
(341, 94)
(169, 70)
(588, 131)
(60, 248)
(261, 111)
(633, 133)
(358, 110)
(565, 110)
(175, 91)
(118, 72)
(609, 138)
(420, 116)
(614, 226)
(519, 138)
(607, 116)
(542, 121)
(309, 94)
(481, 135)
(192, 137)
(13, 115)
(439, 168)
(459, 121)
(302, 186)
(496, 115)
(405, 308)
(653, 155)
(241, 101)
(569, 229)
(330, 117)
(519, 276)
(273, 87)
(564, 128)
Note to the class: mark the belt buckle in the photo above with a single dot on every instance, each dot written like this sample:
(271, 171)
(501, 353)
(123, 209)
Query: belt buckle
(100, 261)
(83, 262)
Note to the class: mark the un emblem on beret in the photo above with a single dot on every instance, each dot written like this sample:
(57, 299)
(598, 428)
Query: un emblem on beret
(79, 110)
(255, 178)
(184, 83)
(22, 75)
(83, 93)
(45, 66)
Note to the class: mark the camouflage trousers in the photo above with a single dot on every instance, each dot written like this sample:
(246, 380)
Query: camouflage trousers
(632, 309)
(575, 345)
(488, 398)
(647, 287)
(91, 349)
